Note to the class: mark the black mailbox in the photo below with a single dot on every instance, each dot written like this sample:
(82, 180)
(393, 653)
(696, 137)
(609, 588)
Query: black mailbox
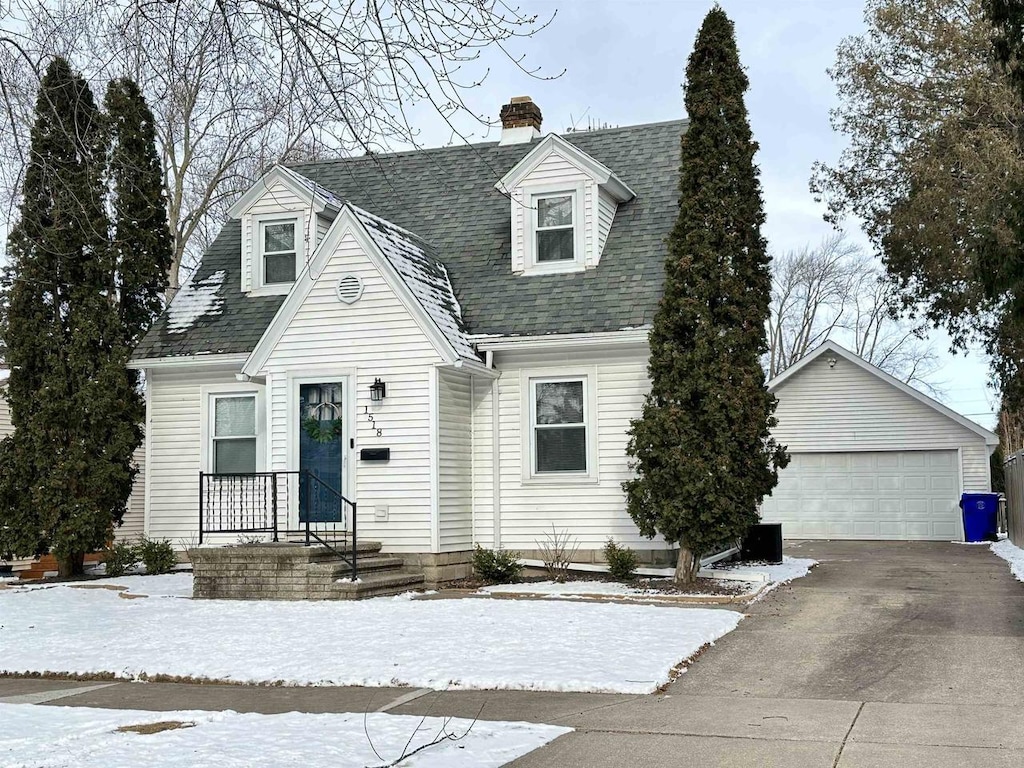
(375, 454)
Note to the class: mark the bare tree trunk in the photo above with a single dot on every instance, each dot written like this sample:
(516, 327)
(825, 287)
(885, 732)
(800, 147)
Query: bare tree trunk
(70, 564)
(686, 566)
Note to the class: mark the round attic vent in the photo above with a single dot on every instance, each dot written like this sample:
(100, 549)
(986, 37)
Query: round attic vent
(350, 288)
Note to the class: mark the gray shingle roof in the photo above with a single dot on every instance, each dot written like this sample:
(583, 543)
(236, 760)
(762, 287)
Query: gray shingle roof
(421, 269)
(446, 196)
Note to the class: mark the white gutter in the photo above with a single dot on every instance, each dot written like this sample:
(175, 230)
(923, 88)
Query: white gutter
(188, 361)
(561, 340)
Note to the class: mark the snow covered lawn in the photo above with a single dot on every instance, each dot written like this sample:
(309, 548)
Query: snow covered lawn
(439, 644)
(1013, 555)
(68, 737)
(162, 585)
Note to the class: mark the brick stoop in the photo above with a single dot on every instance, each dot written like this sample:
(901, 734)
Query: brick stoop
(289, 571)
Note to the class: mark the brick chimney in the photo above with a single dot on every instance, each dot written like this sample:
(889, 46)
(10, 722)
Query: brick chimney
(520, 121)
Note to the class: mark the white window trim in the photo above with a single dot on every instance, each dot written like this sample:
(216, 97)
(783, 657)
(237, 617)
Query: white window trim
(208, 394)
(259, 286)
(531, 194)
(528, 380)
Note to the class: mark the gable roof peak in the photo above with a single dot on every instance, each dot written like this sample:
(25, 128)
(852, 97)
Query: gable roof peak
(555, 143)
(831, 347)
(319, 196)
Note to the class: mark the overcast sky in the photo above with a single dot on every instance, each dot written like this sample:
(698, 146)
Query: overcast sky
(624, 62)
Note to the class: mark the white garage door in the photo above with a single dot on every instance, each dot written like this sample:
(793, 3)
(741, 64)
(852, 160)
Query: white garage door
(889, 495)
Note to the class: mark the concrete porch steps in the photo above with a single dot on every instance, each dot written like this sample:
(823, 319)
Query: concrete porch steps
(377, 584)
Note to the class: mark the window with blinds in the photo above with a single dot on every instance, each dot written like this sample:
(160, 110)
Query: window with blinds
(559, 425)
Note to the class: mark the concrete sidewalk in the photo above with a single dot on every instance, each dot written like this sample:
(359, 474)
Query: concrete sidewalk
(888, 654)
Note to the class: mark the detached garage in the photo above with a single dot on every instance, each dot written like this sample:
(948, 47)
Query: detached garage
(872, 458)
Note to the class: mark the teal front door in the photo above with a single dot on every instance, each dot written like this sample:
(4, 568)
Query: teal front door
(322, 431)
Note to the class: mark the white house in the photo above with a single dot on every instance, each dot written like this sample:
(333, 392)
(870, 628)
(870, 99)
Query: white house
(499, 295)
(454, 340)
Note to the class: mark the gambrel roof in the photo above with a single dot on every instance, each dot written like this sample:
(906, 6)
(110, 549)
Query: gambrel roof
(447, 198)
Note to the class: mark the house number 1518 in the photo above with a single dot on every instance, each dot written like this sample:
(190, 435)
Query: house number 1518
(369, 418)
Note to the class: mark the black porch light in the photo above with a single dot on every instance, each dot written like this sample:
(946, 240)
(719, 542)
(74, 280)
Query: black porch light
(377, 391)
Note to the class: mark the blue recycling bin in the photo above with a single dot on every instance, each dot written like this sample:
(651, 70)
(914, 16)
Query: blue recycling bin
(980, 511)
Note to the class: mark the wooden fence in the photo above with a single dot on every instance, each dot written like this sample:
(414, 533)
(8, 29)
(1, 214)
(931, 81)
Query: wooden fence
(1014, 472)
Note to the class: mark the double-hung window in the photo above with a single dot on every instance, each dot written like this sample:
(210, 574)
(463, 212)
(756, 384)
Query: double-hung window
(558, 424)
(554, 229)
(234, 433)
(279, 249)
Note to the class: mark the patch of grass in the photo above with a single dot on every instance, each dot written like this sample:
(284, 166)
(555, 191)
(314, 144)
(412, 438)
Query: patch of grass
(148, 728)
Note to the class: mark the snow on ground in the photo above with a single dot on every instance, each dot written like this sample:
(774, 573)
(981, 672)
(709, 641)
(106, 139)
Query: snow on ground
(790, 568)
(1013, 555)
(440, 644)
(163, 585)
(66, 737)
(602, 588)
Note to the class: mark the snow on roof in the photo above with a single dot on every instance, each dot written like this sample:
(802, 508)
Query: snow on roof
(196, 299)
(320, 191)
(425, 275)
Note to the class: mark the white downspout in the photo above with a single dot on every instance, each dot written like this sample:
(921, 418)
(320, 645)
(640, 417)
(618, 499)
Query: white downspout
(495, 459)
(472, 460)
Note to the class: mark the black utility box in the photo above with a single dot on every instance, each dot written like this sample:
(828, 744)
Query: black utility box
(375, 454)
(763, 542)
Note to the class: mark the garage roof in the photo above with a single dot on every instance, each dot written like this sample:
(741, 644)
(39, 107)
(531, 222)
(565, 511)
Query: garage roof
(832, 348)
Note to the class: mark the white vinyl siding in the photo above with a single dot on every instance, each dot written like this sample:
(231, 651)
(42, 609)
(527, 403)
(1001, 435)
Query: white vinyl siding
(375, 337)
(483, 461)
(323, 223)
(606, 208)
(455, 446)
(590, 510)
(6, 428)
(175, 432)
(278, 202)
(133, 524)
(845, 408)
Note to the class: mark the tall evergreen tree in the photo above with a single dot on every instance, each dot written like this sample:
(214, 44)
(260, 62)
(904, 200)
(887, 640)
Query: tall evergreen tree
(702, 448)
(142, 243)
(78, 293)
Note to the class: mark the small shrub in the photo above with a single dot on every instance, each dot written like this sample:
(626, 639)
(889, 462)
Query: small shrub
(498, 565)
(557, 552)
(120, 558)
(621, 561)
(157, 555)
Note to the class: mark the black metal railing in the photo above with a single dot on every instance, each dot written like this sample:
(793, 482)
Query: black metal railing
(258, 503)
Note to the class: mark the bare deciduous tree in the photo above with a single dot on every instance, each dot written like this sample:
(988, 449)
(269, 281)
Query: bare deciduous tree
(836, 291)
(236, 85)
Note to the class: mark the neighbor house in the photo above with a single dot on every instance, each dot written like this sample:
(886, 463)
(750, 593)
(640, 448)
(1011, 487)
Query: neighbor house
(452, 340)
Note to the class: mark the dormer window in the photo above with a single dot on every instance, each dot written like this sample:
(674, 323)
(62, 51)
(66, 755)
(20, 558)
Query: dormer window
(563, 205)
(278, 240)
(555, 229)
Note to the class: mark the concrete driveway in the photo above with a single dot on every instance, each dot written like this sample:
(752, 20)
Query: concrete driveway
(888, 654)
